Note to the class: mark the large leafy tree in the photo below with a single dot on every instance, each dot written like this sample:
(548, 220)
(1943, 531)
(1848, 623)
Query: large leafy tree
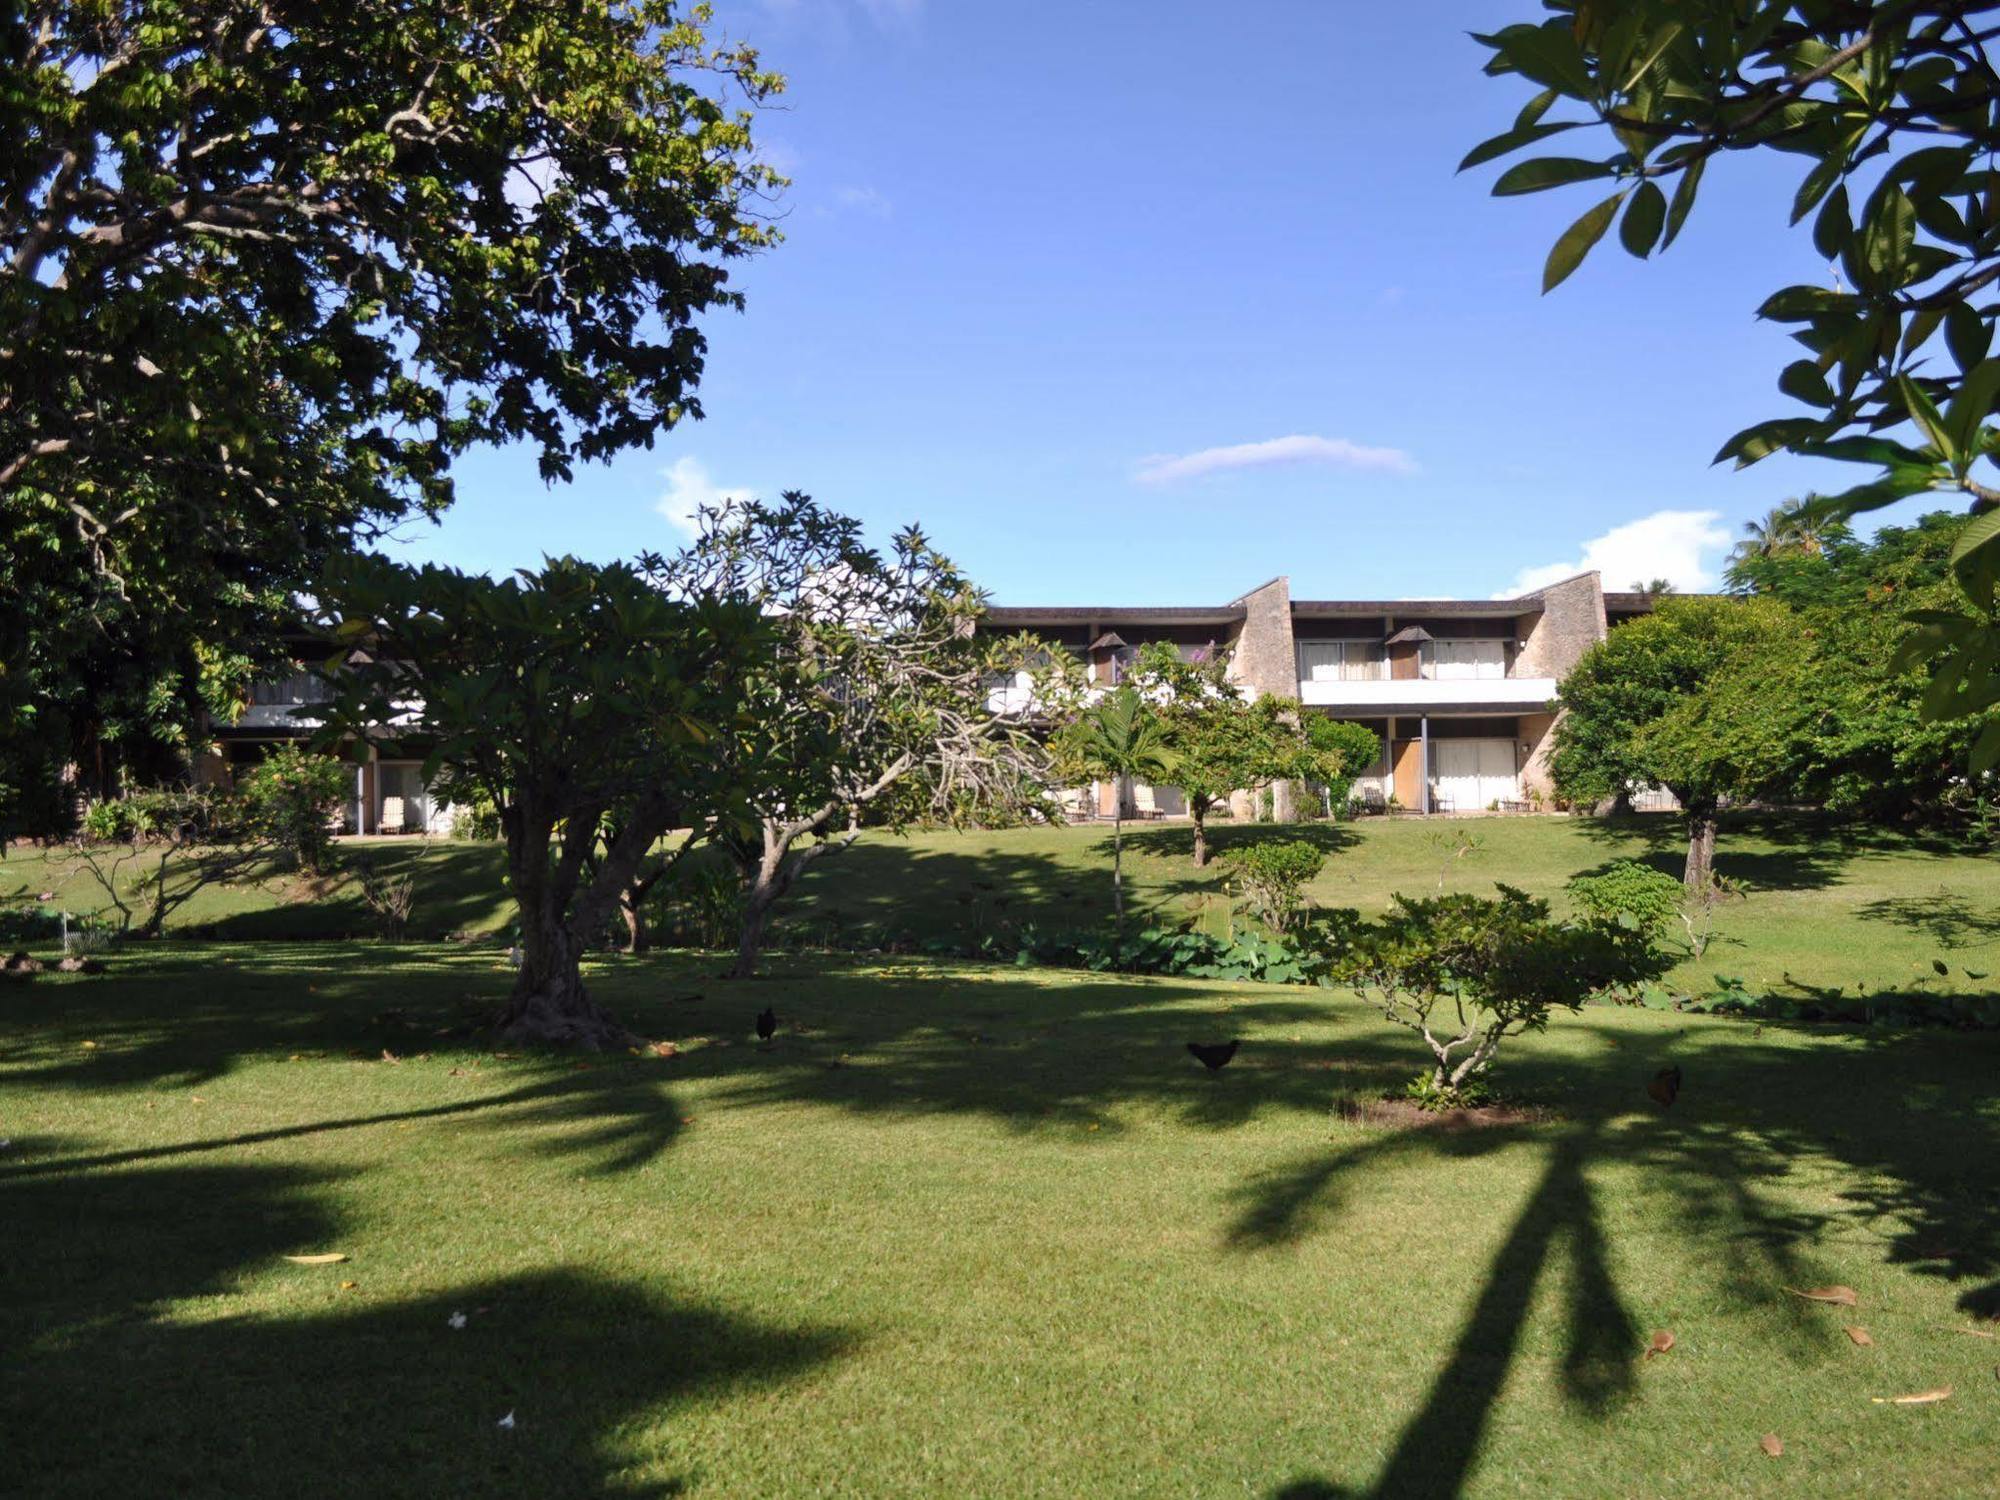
(579, 700)
(1893, 109)
(266, 270)
(873, 705)
(1634, 714)
(1866, 744)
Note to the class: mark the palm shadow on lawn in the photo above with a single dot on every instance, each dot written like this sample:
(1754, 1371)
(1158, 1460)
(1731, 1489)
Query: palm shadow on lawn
(912, 1040)
(101, 1393)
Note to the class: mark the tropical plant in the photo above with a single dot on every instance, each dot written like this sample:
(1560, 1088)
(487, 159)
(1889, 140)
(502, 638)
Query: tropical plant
(1894, 115)
(871, 704)
(1464, 972)
(579, 699)
(1120, 738)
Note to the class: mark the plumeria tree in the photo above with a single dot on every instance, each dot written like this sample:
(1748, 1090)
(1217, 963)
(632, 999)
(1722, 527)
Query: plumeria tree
(873, 705)
(1891, 110)
(582, 702)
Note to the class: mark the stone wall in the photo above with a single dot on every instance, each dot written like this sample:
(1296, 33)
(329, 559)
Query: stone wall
(1571, 622)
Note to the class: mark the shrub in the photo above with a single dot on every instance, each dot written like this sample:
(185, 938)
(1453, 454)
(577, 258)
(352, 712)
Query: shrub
(291, 797)
(1274, 875)
(699, 906)
(1629, 894)
(477, 821)
(1464, 972)
(115, 822)
(389, 899)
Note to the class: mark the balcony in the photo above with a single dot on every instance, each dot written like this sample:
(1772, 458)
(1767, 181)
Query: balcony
(1377, 696)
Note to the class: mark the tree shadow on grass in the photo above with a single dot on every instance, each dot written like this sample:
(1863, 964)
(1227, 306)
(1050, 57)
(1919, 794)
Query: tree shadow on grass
(1801, 851)
(1947, 918)
(1715, 1165)
(124, 1371)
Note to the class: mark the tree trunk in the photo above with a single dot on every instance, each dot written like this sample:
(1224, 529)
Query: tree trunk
(1118, 868)
(1700, 872)
(1198, 812)
(550, 1005)
(750, 942)
(635, 922)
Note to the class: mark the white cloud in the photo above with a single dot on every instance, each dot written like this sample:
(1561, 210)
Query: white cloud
(690, 491)
(1677, 545)
(1300, 448)
(863, 200)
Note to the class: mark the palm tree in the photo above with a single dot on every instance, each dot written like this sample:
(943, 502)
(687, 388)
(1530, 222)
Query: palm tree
(1785, 528)
(1120, 737)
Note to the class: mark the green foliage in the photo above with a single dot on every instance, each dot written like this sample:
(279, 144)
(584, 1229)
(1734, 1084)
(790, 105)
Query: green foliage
(261, 282)
(1427, 1093)
(115, 821)
(292, 796)
(1894, 116)
(1635, 714)
(476, 820)
(1273, 875)
(579, 700)
(1464, 971)
(698, 905)
(1628, 894)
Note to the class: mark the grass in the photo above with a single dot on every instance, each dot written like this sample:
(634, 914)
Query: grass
(1826, 903)
(963, 1231)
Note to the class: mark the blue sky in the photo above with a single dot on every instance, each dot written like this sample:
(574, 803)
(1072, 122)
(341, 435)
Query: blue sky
(1148, 302)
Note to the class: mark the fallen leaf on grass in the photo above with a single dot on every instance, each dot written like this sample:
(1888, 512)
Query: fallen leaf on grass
(350, 1286)
(1772, 1444)
(1859, 1335)
(388, 1056)
(1843, 1296)
(506, 1423)
(330, 1258)
(456, 1320)
(1915, 1398)
(1978, 1333)
(1661, 1341)
(90, 1046)
(665, 1049)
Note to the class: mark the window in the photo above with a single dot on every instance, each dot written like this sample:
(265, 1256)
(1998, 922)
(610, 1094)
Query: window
(1463, 659)
(1341, 661)
(302, 687)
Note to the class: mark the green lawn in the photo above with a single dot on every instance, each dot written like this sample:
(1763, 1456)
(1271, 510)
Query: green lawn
(1825, 904)
(969, 1231)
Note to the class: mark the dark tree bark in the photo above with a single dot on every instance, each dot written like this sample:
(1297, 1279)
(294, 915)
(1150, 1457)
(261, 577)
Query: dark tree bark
(1198, 813)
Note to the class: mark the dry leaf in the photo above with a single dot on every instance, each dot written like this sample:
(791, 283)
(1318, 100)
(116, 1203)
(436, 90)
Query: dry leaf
(1915, 1398)
(1978, 1333)
(1843, 1296)
(1772, 1444)
(90, 1046)
(1661, 1341)
(349, 1286)
(1859, 1335)
(330, 1258)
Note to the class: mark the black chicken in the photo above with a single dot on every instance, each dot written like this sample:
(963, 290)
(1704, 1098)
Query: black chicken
(1214, 1056)
(767, 1024)
(1666, 1085)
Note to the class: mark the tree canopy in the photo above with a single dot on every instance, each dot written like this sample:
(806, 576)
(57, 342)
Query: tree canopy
(872, 703)
(265, 273)
(1893, 110)
(579, 700)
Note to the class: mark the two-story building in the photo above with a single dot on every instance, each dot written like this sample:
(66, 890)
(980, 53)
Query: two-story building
(1459, 691)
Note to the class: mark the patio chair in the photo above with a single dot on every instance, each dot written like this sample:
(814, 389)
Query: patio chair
(392, 815)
